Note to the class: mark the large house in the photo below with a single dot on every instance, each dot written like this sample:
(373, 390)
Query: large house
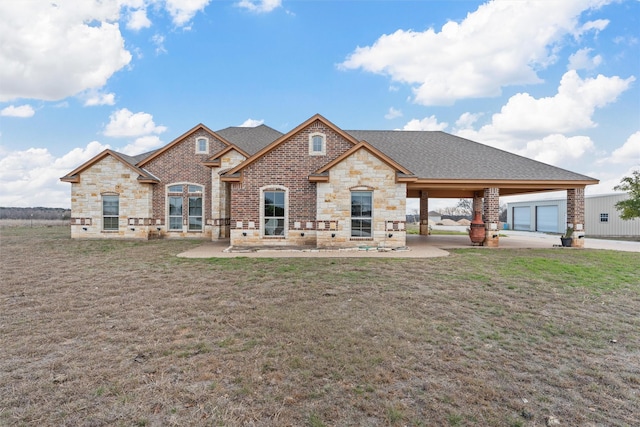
(317, 185)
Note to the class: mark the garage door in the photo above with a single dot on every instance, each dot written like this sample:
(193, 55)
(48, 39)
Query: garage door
(547, 219)
(522, 218)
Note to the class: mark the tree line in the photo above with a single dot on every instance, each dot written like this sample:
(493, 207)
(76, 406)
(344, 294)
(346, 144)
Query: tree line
(35, 213)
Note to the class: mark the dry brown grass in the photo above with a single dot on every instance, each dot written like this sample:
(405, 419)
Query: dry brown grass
(124, 333)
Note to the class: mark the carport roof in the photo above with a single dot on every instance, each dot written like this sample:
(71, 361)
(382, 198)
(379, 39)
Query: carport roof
(435, 155)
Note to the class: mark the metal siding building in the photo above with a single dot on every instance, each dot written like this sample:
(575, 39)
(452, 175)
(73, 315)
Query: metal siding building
(602, 219)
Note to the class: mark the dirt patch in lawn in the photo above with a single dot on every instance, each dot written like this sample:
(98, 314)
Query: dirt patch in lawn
(125, 333)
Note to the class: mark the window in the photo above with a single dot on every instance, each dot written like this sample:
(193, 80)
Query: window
(192, 199)
(175, 213)
(274, 210)
(195, 213)
(361, 204)
(202, 145)
(110, 212)
(317, 146)
(604, 217)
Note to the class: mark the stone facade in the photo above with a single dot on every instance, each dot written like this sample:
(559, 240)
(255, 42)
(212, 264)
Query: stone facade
(110, 176)
(361, 171)
(221, 196)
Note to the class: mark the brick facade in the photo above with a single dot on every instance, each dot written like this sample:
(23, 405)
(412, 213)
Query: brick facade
(492, 216)
(180, 164)
(575, 215)
(288, 165)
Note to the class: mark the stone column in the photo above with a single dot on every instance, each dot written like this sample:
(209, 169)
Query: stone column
(424, 213)
(492, 216)
(575, 215)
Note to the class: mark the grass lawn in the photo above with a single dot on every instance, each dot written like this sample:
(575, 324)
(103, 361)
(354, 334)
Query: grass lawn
(125, 333)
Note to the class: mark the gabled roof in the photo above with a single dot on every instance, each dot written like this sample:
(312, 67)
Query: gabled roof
(179, 139)
(129, 161)
(435, 155)
(284, 137)
(250, 139)
(321, 174)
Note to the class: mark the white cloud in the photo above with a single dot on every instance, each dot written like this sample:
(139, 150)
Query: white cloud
(54, 50)
(428, 123)
(32, 177)
(466, 120)
(21, 111)
(251, 123)
(124, 123)
(628, 153)
(556, 148)
(182, 11)
(597, 26)
(142, 145)
(158, 41)
(392, 114)
(138, 20)
(94, 98)
(500, 44)
(259, 6)
(582, 61)
(571, 109)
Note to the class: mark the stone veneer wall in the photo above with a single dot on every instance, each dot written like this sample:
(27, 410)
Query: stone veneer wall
(362, 171)
(288, 165)
(110, 176)
(181, 164)
(220, 196)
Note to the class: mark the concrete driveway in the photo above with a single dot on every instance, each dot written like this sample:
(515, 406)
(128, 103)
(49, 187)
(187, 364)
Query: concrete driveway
(417, 247)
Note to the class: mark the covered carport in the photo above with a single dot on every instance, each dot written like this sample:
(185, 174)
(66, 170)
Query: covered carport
(447, 166)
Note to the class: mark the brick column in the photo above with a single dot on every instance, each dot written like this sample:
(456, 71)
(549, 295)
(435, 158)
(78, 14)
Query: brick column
(492, 216)
(477, 202)
(575, 215)
(424, 213)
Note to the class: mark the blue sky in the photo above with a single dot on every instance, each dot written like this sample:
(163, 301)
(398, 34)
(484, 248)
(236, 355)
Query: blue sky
(554, 81)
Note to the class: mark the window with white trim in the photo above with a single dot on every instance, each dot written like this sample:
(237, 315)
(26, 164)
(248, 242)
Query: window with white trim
(604, 217)
(273, 212)
(110, 212)
(361, 213)
(317, 144)
(202, 145)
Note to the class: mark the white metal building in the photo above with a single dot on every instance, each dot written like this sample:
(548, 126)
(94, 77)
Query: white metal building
(602, 219)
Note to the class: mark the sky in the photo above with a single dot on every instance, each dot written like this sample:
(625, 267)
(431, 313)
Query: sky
(556, 81)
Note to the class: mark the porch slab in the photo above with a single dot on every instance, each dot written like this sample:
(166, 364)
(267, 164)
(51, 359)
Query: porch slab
(417, 247)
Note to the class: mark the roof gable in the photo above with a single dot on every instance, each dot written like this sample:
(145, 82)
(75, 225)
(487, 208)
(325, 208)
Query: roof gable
(144, 176)
(287, 136)
(321, 173)
(179, 139)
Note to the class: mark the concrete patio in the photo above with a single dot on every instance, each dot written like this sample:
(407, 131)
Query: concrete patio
(417, 247)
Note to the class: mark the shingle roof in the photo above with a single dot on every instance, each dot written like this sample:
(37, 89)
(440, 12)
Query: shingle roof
(438, 155)
(250, 139)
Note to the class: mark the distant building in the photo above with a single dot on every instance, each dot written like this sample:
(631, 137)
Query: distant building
(602, 219)
(435, 216)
